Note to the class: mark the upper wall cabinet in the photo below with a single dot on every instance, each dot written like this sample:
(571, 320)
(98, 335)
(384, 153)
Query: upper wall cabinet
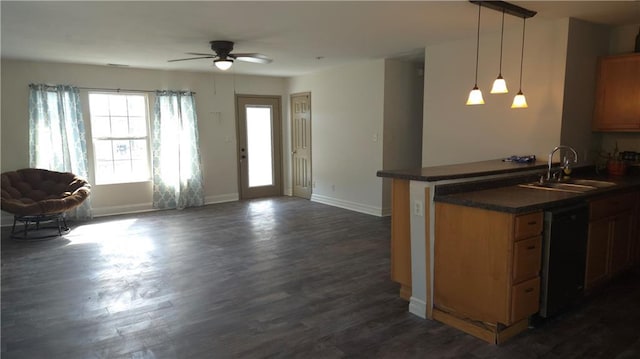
(617, 105)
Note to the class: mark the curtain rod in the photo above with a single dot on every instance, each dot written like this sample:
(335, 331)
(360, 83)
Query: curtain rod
(124, 90)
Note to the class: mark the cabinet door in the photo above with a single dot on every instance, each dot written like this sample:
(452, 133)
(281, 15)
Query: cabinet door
(621, 242)
(401, 237)
(597, 253)
(617, 105)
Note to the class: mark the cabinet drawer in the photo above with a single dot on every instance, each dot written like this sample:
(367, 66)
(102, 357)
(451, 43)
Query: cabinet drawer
(527, 255)
(528, 225)
(611, 205)
(524, 299)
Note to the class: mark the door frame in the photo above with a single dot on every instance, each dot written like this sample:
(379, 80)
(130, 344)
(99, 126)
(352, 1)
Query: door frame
(277, 147)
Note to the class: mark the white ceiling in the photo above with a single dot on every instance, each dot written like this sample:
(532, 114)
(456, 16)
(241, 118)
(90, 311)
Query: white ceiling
(300, 36)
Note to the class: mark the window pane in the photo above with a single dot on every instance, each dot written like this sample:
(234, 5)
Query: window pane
(118, 105)
(100, 126)
(137, 106)
(121, 150)
(137, 126)
(119, 126)
(104, 171)
(139, 150)
(103, 150)
(99, 104)
(123, 167)
(140, 169)
(259, 154)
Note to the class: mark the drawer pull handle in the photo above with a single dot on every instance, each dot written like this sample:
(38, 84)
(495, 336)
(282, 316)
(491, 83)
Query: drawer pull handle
(532, 223)
(531, 247)
(528, 290)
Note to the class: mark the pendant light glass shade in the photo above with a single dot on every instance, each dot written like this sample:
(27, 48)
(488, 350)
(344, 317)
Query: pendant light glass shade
(500, 85)
(475, 96)
(223, 65)
(519, 101)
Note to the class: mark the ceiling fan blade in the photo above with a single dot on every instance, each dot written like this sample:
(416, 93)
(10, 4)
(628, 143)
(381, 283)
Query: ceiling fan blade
(252, 57)
(193, 58)
(199, 54)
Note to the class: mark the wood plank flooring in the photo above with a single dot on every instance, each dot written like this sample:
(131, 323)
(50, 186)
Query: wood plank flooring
(269, 278)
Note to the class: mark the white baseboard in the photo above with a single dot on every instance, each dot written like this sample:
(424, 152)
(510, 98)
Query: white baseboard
(418, 307)
(126, 209)
(352, 206)
(288, 192)
(221, 198)
(6, 219)
(147, 207)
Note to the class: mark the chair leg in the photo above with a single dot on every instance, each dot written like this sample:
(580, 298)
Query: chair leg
(13, 229)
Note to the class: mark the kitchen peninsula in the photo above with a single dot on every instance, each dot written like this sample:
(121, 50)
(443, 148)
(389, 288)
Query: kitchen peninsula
(471, 198)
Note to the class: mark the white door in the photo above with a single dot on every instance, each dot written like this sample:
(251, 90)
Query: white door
(301, 144)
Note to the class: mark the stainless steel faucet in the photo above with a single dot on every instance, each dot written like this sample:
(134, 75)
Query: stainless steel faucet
(565, 161)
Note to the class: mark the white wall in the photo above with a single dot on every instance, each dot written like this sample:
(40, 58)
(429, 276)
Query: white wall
(587, 41)
(215, 111)
(623, 39)
(346, 134)
(403, 97)
(402, 133)
(456, 133)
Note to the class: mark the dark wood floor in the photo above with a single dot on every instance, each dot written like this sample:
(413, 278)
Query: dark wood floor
(264, 278)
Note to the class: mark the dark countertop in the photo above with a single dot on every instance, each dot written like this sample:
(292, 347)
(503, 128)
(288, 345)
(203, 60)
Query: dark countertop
(464, 170)
(514, 199)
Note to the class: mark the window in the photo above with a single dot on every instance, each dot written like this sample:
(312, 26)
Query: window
(120, 141)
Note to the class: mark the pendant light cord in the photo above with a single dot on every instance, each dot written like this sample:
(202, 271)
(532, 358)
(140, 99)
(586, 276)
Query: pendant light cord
(524, 23)
(501, 41)
(478, 45)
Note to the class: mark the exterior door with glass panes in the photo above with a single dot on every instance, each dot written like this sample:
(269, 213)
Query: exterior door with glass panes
(259, 146)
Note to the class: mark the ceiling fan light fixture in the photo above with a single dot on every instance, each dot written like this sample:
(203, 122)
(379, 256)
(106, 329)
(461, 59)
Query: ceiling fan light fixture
(223, 64)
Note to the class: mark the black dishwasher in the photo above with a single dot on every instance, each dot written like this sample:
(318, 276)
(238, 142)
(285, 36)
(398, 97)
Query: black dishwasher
(564, 252)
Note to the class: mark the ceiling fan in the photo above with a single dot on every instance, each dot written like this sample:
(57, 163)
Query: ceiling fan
(223, 58)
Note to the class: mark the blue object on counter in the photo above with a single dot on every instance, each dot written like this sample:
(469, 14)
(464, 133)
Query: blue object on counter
(521, 159)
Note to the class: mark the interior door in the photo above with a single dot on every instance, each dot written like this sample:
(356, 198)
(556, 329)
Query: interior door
(259, 146)
(301, 144)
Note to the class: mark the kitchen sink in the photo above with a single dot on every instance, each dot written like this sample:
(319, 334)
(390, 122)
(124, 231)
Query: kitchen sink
(561, 187)
(572, 185)
(594, 183)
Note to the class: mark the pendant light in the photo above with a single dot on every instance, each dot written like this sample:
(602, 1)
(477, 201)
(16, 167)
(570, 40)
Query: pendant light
(475, 96)
(500, 85)
(519, 101)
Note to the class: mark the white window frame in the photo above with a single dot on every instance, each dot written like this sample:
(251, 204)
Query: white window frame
(95, 139)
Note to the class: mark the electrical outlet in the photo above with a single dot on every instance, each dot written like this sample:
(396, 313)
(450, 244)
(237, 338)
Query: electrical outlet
(417, 207)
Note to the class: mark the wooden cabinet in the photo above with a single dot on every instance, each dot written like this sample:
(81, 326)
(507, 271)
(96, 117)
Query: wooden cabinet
(617, 103)
(486, 269)
(401, 237)
(611, 238)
